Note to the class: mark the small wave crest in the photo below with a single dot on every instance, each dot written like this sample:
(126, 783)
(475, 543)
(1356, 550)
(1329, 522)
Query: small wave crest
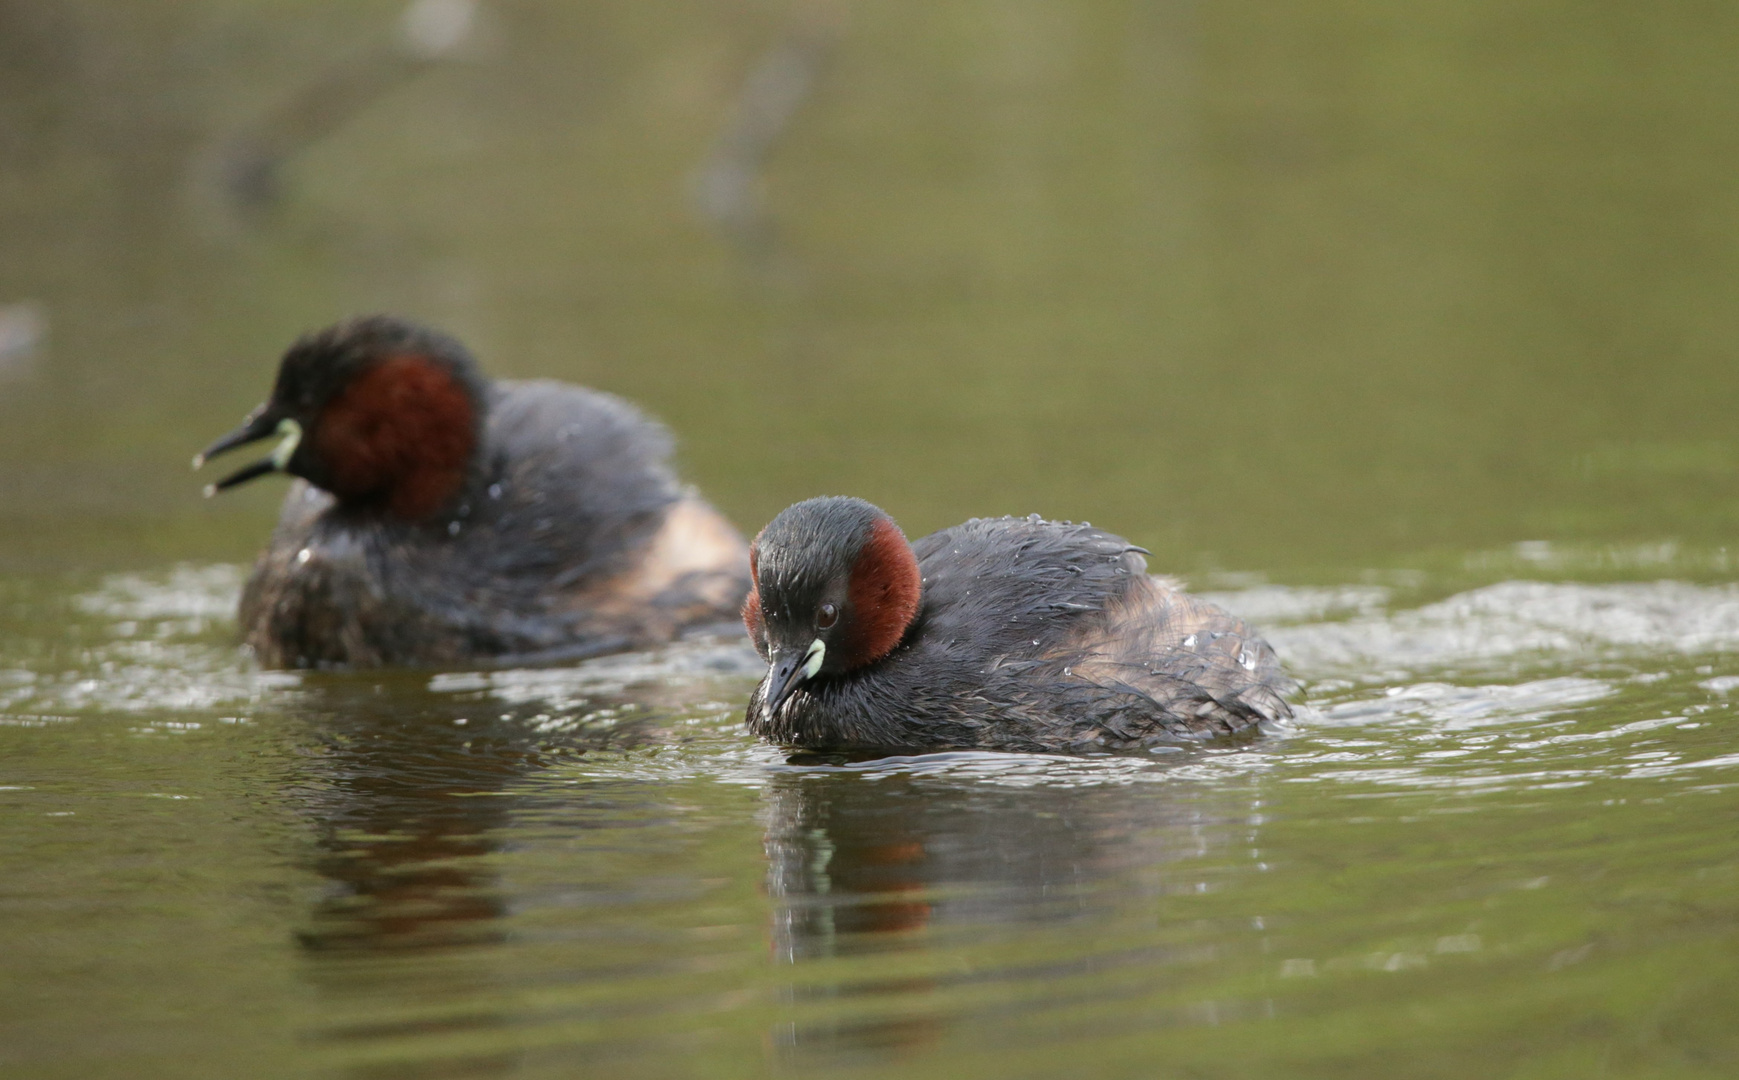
(1555, 622)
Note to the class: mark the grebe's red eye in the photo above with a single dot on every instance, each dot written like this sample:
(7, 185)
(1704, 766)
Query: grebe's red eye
(826, 616)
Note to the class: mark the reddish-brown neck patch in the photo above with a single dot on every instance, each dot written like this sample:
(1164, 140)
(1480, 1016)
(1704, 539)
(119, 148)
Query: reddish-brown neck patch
(400, 434)
(885, 587)
(753, 621)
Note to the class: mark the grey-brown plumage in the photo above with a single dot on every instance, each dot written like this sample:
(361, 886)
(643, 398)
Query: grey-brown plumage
(552, 552)
(1029, 635)
(562, 533)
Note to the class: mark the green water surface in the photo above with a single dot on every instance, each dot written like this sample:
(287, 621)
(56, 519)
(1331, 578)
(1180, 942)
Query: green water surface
(1408, 330)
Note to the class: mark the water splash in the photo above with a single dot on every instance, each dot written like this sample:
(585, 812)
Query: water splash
(1559, 623)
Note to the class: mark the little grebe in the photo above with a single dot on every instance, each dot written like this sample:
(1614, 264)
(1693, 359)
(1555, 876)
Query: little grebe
(443, 518)
(1007, 634)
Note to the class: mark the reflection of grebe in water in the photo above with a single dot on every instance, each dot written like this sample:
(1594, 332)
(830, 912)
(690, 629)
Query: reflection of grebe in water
(397, 828)
(860, 865)
(425, 799)
(410, 788)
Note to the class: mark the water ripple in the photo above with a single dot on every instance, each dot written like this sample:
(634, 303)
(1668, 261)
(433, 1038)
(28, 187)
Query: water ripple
(1561, 621)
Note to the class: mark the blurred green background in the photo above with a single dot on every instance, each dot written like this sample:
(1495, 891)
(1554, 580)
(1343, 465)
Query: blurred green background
(1284, 287)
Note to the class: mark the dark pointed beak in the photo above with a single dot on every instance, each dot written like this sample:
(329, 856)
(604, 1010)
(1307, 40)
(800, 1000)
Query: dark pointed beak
(262, 423)
(790, 668)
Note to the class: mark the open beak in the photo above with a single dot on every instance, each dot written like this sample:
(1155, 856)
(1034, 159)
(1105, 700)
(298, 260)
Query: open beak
(260, 424)
(789, 670)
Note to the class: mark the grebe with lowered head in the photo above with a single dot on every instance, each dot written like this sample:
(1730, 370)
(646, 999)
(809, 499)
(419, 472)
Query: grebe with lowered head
(439, 517)
(1004, 634)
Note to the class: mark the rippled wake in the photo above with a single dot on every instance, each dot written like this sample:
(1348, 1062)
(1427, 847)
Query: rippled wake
(1561, 623)
(1483, 680)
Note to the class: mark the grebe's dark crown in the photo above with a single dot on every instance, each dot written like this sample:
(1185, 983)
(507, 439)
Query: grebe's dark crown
(814, 541)
(322, 363)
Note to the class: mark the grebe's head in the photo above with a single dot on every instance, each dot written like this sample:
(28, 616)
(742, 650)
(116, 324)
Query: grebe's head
(836, 586)
(378, 411)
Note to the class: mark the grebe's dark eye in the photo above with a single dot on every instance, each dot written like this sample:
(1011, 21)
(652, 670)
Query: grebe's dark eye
(826, 616)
